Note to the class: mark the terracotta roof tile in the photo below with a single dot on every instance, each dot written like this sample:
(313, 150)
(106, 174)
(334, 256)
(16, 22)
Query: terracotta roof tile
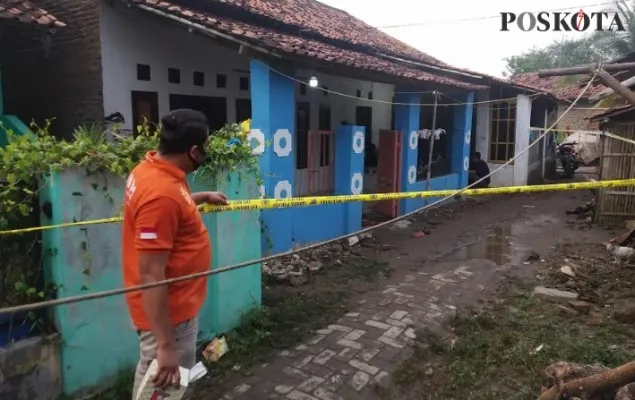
(337, 24)
(612, 112)
(331, 23)
(283, 42)
(25, 11)
(556, 86)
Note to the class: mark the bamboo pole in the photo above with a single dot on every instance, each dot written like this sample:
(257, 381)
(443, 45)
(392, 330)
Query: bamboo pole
(434, 126)
(585, 69)
(614, 84)
(601, 72)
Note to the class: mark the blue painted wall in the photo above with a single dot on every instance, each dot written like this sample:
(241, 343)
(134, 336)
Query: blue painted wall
(349, 172)
(98, 340)
(407, 122)
(461, 138)
(273, 137)
(273, 124)
(318, 223)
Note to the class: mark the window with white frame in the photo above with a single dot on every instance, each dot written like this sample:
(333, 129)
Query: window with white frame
(502, 131)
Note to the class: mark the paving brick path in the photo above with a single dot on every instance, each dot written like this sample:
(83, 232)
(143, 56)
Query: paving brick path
(347, 359)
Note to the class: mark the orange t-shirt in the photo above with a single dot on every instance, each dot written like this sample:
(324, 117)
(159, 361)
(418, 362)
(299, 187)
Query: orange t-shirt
(160, 215)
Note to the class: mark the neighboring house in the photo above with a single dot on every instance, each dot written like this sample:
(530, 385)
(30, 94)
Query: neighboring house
(143, 58)
(616, 163)
(27, 359)
(19, 17)
(566, 90)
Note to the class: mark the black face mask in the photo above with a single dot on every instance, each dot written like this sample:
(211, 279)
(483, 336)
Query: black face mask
(198, 163)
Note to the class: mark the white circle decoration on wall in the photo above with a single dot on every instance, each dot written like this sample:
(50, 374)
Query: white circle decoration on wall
(358, 142)
(282, 190)
(468, 137)
(256, 140)
(412, 174)
(282, 144)
(466, 163)
(357, 183)
(414, 140)
(262, 191)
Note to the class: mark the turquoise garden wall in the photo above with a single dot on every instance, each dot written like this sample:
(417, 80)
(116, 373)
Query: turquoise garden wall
(98, 340)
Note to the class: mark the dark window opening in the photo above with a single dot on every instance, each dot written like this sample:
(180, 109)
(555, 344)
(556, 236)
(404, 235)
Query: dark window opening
(370, 95)
(221, 81)
(359, 93)
(198, 78)
(243, 83)
(243, 110)
(442, 149)
(302, 89)
(145, 109)
(174, 75)
(325, 91)
(143, 72)
(364, 117)
(302, 134)
(324, 120)
(214, 108)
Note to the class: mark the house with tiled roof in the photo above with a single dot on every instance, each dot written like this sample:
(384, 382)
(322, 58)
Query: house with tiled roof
(142, 58)
(567, 89)
(330, 98)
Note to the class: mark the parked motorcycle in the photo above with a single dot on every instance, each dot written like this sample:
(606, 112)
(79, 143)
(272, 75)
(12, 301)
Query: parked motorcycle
(568, 159)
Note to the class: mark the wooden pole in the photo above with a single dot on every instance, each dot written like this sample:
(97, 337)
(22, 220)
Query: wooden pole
(585, 69)
(434, 126)
(614, 84)
(601, 73)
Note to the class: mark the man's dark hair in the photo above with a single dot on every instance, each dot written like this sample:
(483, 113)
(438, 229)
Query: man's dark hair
(181, 130)
(477, 155)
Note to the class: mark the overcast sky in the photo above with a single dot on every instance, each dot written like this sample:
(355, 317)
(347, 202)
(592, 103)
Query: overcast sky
(475, 44)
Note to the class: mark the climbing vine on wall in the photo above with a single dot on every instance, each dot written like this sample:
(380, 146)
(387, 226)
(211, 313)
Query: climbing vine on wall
(29, 158)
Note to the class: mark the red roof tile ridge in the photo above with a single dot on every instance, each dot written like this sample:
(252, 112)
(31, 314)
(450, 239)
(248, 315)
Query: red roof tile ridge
(288, 43)
(555, 85)
(335, 29)
(26, 11)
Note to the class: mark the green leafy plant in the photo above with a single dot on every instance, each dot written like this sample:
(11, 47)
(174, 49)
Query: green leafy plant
(27, 159)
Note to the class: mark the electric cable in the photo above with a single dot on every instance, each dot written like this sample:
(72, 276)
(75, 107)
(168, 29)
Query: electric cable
(431, 22)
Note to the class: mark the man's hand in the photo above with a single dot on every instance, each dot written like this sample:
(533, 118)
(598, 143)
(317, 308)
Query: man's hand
(168, 373)
(215, 198)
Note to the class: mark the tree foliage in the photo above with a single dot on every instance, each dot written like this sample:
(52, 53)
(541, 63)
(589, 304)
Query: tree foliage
(596, 47)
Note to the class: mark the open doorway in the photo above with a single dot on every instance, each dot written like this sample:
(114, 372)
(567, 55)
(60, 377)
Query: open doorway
(214, 108)
(364, 117)
(442, 148)
(145, 109)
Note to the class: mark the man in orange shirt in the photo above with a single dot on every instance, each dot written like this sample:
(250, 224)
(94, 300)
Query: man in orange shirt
(164, 237)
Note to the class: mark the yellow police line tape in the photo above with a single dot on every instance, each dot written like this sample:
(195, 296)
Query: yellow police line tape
(261, 204)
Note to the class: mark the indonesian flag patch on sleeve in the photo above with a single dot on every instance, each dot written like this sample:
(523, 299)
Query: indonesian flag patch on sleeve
(148, 234)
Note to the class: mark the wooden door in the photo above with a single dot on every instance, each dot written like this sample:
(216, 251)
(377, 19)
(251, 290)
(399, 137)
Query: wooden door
(389, 170)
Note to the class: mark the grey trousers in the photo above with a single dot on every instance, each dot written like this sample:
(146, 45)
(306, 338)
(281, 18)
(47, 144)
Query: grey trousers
(185, 336)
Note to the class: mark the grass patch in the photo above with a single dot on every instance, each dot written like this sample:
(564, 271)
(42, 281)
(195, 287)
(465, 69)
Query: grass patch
(491, 354)
(287, 316)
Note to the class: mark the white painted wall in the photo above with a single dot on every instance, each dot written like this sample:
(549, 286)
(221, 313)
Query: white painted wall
(523, 121)
(515, 174)
(130, 36)
(483, 128)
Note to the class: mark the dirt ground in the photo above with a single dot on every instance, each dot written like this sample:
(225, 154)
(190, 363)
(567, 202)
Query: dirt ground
(503, 245)
(439, 307)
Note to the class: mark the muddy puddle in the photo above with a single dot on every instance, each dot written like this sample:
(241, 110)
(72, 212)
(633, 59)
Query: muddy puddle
(506, 244)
